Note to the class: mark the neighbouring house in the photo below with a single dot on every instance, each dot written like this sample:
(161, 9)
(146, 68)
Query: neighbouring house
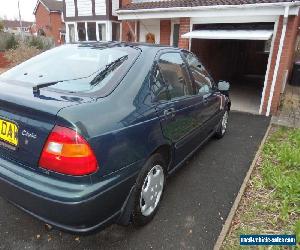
(14, 26)
(49, 20)
(91, 20)
(249, 43)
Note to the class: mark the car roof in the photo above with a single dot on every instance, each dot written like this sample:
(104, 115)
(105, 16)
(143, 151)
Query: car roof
(137, 45)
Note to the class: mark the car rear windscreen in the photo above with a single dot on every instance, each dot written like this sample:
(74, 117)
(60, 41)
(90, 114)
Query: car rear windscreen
(75, 68)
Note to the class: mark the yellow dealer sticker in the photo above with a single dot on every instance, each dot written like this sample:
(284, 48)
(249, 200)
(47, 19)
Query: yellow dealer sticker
(9, 132)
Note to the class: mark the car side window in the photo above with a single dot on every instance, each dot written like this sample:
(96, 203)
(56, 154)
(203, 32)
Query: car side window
(175, 75)
(203, 82)
(159, 87)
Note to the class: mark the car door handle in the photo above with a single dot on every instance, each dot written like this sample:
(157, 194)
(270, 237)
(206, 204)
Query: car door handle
(169, 112)
(205, 98)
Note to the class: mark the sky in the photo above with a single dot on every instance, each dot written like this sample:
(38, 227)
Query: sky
(9, 9)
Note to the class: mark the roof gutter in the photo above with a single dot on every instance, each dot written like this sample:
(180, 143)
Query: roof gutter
(213, 7)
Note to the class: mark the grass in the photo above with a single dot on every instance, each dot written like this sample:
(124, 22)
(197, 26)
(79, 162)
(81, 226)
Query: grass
(271, 202)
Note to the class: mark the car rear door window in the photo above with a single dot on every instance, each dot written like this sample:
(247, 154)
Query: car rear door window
(174, 74)
(159, 87)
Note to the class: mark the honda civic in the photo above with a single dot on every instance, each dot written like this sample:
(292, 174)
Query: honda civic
(89, 132)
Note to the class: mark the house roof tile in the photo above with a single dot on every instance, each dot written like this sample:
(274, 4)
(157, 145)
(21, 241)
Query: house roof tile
(15, 24)
(53, 5)
(195, 3)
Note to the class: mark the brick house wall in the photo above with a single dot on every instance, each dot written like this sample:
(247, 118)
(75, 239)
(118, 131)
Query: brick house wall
(50, 22)
(184, 28)
(285, 62)
(272, 66)
(127, 26)
(56, 25)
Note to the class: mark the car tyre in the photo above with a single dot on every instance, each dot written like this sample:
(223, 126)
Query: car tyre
(149, 190)
(221, 131)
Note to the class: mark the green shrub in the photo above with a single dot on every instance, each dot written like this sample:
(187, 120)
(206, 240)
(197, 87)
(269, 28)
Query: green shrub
(22, 53)
(39, 42)
(11, 43)
(8, 41)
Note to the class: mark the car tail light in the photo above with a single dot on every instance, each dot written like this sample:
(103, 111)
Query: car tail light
(67, 152)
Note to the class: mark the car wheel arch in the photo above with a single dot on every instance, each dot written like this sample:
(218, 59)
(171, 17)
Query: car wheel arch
(165, 150)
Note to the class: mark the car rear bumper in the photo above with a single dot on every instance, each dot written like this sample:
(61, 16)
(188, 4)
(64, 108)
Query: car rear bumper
(72, 207)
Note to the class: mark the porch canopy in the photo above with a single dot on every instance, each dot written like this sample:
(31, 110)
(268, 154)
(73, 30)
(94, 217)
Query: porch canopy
(263, 35)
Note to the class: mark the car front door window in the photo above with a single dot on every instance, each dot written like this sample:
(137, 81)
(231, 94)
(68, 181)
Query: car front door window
(203, 82)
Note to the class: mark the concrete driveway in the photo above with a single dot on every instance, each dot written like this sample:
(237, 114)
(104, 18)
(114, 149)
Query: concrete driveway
(197, 201)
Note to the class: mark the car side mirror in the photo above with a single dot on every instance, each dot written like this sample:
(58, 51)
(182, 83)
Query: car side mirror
(223, 86)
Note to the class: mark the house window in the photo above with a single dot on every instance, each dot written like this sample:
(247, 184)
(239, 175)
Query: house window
(70, 8)
(85, 7)
(91, 31)
(175, 35)
(71, 33)
(81, 31)
(102, 32)
(115, 31)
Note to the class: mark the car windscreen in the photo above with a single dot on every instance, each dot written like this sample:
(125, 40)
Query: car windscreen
(75, 68)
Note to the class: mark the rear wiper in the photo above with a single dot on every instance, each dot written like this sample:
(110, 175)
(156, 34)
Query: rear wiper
(36, 88)
(108, 68)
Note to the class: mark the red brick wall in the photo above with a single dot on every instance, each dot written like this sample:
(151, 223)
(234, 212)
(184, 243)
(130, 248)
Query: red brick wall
(285, 62)
(165, 32)
(49, 22)
(184, 28)
(272, 66)
(126, 33)
(56, 25)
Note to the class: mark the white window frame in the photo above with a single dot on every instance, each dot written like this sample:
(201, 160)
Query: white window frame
(173, 21)
(68, 32)
(108, 30)
(76, 33)
(120, 38)
(97, 31)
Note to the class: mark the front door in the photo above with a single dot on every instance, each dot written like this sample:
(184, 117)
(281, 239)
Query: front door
(206, 88)
(178, 107)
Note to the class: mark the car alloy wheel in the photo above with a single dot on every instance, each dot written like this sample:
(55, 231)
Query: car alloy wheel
(152, 190)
